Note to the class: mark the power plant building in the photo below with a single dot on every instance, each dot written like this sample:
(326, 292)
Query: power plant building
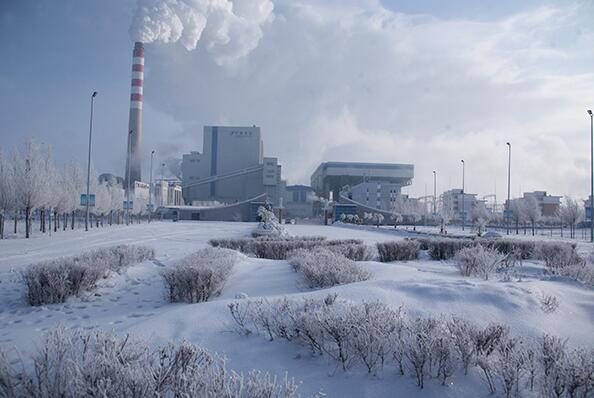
(337, 177)
(231, 168)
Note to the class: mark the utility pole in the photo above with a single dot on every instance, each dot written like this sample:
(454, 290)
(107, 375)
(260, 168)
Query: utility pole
(150, 210)
(591, 177)
(434, 193)
(128, 179)
(507, 204)
(87, 202)
(463, 198)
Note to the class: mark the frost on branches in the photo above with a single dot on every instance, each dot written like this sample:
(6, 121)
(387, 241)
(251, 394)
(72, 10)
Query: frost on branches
(374, 335)
(52, 282)
(269, 225)
(199, 276)
(322, 267)
(73, 364)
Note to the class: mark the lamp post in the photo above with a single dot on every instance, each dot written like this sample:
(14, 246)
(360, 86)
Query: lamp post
(591, 177)
(434, 193)
(151, 188)
(508, 188)
(463, 198)
(128, 179)
(88, 198)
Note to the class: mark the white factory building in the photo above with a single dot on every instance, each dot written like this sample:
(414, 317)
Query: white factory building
(231, 168)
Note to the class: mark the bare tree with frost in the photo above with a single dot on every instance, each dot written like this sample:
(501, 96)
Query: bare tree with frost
(532, 211)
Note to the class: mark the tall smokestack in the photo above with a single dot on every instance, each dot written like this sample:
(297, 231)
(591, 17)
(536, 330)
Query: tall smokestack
(133, 159)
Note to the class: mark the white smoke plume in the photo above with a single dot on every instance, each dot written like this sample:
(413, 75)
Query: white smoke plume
(227, 28)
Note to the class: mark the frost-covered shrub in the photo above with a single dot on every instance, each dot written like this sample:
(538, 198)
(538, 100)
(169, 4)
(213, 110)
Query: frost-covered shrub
(445, 249)
(269, 225)
(400, 250)
(279, 248)
(199, 276)
(353, 250)
(524, 249)
(77, 364)
(54, 281)
(583, 273)
(549, 303)
(478, 261)
(557, 254)
(324, 268)
(373, 334)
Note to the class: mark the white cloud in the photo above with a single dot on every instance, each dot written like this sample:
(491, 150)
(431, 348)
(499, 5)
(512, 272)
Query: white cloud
(352, 80)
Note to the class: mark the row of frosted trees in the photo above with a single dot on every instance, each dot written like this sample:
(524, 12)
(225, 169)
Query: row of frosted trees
(32, 186)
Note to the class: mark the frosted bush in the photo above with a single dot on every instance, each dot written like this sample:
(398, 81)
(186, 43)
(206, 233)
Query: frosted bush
(373, 334)
(557, 254)
(478, 261)
(75, 364)
(323, 268)
(269, 225)
(401, 250)
(279, 248)
(521, 249)
(549, 303)
(54, 281)
(199, 276)
(446, 248)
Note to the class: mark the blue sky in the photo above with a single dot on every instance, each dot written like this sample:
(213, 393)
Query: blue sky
(425, 82)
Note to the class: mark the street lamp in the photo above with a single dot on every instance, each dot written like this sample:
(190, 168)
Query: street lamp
(463, 199)
(434, 193)
(162, 179)
(151, 188)
(508, 188)
(591, 177)
(87, 202)
(128, 178)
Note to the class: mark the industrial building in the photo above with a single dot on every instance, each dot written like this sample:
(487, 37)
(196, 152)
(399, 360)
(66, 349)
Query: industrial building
(459, 203)
(549, 204)
(377, 194)
(332, 178)
(299, 201)
(231, 168)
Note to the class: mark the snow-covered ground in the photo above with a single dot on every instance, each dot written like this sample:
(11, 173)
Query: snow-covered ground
(135, 303)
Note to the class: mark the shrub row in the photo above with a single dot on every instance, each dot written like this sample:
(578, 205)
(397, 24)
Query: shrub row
(279, 248)
(399, 250)
(54, 281)
(73, 364)
(322, 267)
(374, 334)
(199, 276)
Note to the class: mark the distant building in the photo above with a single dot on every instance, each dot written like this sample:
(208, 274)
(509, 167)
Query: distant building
(336, 177)
(168, 193)
(460, 204)
(549, 205)
(232, 168)
(111, 179)
(378, 194)
(299, 201)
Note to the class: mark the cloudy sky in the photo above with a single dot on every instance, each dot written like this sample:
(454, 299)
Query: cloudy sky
(421, 82)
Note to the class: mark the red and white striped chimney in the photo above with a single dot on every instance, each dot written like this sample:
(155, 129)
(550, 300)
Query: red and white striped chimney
(133, 158)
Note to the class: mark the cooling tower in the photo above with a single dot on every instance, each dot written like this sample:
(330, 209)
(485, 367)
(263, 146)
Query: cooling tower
(133, 158)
